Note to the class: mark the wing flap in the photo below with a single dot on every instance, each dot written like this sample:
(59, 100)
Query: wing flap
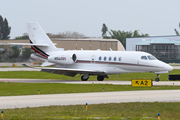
(62, 72)
(68, 71)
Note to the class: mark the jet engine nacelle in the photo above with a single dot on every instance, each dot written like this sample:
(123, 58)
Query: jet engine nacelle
(67, 58)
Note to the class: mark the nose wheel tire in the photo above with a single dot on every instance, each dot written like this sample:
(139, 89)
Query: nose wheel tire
(157, 79)
(82, 78)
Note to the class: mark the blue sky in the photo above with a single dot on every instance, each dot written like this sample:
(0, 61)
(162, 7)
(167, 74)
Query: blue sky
(155, 17)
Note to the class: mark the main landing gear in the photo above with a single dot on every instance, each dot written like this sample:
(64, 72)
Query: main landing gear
(100, 78)
(157, 79)
(85, 77)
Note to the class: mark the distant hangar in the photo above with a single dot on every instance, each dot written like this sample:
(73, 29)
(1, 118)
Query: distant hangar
(78, 44)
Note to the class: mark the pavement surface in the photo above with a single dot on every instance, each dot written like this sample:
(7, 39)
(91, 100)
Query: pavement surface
(10, 102)
(176, 67)
(176, 83)
(19, 69)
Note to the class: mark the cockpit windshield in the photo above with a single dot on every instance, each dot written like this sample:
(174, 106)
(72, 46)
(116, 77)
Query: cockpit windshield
(144, 57)
(151, 58)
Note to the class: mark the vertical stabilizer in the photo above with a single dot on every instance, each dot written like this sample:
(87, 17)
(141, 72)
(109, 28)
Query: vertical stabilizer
(38, 36)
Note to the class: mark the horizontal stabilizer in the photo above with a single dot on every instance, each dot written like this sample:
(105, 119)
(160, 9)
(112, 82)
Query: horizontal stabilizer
(44, 45)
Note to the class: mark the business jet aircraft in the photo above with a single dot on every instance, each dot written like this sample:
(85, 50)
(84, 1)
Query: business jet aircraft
(88, 62)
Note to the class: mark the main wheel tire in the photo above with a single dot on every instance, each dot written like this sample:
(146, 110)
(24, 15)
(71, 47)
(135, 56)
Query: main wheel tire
(100, 78)
(82, 78)
(157, 79)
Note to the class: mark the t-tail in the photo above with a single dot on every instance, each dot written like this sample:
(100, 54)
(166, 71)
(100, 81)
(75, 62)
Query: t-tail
(41, 43)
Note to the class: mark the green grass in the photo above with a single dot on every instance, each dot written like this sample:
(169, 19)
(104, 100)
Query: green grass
(43, 75)
(130, 111)
(10, 89)
(175, 65)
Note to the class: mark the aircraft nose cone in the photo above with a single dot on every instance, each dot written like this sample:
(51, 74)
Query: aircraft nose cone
(168, 68)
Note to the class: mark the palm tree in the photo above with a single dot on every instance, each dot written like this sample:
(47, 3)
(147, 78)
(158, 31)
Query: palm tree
(104, 30)
(177, 33)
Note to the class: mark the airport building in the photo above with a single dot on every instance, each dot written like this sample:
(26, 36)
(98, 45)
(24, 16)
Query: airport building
(78, 44)
(165, 48)
(160, 48)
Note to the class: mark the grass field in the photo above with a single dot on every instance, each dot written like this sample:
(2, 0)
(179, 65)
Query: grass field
(124, 111)
(43, 75)
(10, 89)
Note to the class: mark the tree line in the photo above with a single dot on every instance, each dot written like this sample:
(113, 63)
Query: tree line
(14, 54)
(120, 35)
(5, 29)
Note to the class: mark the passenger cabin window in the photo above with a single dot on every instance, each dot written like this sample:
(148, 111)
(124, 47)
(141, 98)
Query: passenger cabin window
(151, 58)
(119, 58)
(104, 58)
(144, 57)
(109, 58)
(100, 58)
(114, 58)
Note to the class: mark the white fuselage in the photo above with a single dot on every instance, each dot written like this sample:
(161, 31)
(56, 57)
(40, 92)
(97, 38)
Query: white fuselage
(100, 63)
(113, 62)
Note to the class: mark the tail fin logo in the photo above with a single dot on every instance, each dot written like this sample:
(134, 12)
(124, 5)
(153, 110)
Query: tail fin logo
(39, 51)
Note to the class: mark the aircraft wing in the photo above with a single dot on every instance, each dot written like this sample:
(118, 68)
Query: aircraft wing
(68, 71)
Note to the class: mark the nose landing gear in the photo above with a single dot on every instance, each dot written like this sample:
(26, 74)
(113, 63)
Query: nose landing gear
(157, 79)
(85, 77)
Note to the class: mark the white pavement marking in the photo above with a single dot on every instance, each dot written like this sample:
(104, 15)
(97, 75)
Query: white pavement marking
(10, 102)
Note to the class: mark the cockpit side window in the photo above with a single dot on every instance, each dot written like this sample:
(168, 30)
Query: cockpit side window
(151, 57)
(144, 57)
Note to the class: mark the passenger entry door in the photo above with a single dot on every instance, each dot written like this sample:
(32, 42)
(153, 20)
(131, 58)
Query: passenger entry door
(93, 59)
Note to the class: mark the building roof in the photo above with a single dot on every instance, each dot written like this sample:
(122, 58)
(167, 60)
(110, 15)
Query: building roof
(158, 41)
(93, 39)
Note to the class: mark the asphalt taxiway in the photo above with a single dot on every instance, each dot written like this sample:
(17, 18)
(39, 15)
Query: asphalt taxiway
(18, 69)
(10, 102)
(176, 83)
